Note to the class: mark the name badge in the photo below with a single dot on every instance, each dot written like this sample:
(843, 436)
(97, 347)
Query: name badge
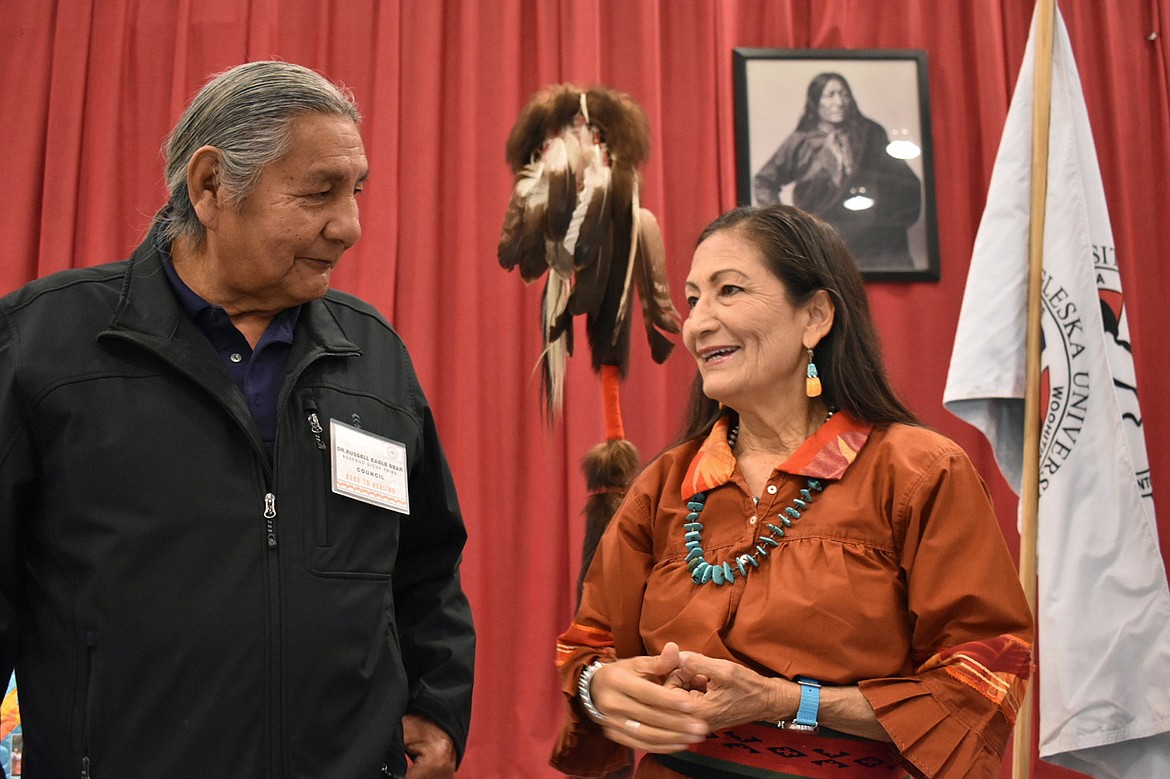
(368, 468)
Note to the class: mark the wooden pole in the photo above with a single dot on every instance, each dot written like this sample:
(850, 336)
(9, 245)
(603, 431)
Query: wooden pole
(1030, 485)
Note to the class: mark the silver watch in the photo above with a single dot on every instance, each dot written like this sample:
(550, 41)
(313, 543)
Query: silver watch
(584, 694)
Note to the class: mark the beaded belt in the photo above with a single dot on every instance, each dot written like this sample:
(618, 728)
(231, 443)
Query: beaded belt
(760, 750)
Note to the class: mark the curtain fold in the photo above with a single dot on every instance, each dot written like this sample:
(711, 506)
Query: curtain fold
(91, 88)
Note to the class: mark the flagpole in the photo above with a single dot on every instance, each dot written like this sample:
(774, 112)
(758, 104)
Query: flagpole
(1030, 485)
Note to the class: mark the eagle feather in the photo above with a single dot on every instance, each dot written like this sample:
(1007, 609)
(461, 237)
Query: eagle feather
(562, 187)
(658, 312)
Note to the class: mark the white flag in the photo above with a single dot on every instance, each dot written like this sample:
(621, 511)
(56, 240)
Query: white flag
(1103, 607)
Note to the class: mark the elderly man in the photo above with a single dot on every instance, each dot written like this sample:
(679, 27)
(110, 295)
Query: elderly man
(229, 539)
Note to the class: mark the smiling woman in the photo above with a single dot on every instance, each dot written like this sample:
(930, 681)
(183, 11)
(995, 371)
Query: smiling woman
(748, 339)
(793, 502)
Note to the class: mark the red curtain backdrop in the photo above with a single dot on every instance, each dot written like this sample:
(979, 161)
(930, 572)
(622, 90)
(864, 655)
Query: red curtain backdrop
(89, 89)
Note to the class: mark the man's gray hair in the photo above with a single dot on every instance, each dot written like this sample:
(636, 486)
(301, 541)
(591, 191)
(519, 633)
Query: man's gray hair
(247, 113)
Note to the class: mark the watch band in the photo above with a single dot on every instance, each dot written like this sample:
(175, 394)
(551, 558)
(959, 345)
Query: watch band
(810, 705)
(584, 691)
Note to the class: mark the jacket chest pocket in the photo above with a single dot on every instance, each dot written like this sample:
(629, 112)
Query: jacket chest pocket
(343, 535)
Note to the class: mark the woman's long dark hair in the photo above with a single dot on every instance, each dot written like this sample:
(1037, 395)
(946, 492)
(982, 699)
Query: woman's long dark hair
(808, 255)
(812, 101)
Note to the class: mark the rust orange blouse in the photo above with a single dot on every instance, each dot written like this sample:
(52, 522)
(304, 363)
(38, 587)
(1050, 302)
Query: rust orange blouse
(896, 578)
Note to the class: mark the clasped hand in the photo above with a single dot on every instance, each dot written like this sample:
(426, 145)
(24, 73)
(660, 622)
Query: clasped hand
(666, 702)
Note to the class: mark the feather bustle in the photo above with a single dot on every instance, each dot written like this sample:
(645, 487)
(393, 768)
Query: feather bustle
(575, 214)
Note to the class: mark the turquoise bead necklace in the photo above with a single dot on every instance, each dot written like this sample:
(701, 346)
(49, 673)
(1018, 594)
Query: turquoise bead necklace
(703, 571)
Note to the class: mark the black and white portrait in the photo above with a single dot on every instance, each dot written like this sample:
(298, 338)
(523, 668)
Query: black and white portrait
(843, 135)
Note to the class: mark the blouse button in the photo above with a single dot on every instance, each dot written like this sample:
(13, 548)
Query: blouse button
(771, 489)
(753, 520)
(235, 357)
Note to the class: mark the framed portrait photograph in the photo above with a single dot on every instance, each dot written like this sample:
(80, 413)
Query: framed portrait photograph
(845, 135)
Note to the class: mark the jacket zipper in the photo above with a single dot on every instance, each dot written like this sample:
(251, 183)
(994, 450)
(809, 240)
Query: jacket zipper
(275, 724)
(321, 521)
(315, 427)
(270, 518)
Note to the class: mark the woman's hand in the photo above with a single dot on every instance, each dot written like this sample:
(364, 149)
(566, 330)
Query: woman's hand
(729, 694)
(644, 705)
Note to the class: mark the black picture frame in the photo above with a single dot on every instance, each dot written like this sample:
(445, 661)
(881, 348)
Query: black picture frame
(832, 152)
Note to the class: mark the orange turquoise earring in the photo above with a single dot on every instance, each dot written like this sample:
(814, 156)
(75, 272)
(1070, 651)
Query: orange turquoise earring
(812, 384)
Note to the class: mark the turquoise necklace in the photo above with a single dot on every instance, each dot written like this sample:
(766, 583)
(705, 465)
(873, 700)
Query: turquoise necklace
(703, 571)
